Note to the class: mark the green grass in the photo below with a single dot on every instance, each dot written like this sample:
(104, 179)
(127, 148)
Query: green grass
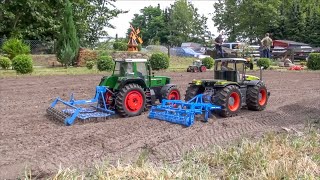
(275, 156)
(41, 71)
(176, 64)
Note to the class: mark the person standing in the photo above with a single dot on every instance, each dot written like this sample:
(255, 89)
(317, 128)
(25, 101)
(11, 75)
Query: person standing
(218, 44)
(266, 44)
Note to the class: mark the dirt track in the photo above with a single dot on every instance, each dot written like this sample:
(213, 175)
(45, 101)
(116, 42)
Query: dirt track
(28, 138)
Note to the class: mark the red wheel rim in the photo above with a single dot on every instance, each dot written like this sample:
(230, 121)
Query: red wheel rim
(262, 97)
(108, 98)
(174, 95)
(134, 101)
(203, 69)
(234, 101)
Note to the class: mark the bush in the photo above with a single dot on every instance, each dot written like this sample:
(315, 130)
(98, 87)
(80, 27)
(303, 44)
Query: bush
(105, 63)
(314, 61)
(23, 64)
(5, 62)
(120, 46)
(139, 47)
(14, 47)
(208, 62)
(264, 62)
(159, 61)
(89, 64)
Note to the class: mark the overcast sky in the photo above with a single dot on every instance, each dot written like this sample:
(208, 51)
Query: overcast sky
(122, 21)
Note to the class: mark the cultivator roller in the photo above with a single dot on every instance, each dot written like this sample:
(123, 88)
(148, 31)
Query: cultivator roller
(181, 112)
(69, 111)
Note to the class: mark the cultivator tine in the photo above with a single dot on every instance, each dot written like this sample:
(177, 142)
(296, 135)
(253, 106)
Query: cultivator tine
(180, 112)
(76, 110)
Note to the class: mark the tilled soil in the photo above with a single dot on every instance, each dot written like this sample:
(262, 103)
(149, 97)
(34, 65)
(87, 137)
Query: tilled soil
(29, 139)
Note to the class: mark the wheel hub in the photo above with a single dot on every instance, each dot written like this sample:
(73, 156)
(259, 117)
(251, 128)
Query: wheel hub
(231, 101)
(134, 101)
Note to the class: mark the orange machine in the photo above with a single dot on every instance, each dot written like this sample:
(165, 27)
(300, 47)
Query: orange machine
(133, 38)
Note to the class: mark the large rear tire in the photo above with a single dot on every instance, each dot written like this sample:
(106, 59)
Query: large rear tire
(229, 98)
(130, 101)
(257, 97)
(203, 68)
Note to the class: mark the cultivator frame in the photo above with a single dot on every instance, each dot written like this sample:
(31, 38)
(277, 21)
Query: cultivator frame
(77, 110)
(181, 112)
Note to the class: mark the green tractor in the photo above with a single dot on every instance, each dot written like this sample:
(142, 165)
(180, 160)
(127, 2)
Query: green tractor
(231, 89)
(134, 89)
(197, 66)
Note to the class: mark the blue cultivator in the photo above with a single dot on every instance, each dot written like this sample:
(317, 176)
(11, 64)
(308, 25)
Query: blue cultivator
(181, 112)
(82, 109)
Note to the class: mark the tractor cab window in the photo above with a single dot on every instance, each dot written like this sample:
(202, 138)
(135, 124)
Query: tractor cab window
(197, 63)
(141, 69)
(240, 71)
(123, 69)
(225, 66)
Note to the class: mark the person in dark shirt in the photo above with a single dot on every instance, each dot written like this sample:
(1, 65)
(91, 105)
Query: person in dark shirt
(218, 43)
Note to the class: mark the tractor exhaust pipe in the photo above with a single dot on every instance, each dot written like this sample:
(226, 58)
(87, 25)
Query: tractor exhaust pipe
(261, 72)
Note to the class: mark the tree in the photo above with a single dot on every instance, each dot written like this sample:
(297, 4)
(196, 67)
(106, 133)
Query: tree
(40, 20)
(92, 17)
(185, 23)
(68, 42)
(151, 23)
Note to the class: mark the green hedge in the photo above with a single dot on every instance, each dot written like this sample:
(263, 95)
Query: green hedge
(23, 64)
(5, 62)
(14, 47)
(89, 64)
(120, 46)
(264, 62)
(105, 63)
(208, 62)
(159, 61)
(314, 61)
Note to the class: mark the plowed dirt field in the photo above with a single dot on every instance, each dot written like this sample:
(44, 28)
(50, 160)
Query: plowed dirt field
(29, 139)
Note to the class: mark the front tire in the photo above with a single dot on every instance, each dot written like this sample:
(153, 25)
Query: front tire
(229, 98)
(170, 92)
(257, 97)
(191, 92)
(130, 101)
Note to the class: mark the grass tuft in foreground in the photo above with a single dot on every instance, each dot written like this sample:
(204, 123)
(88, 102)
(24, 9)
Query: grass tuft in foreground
(272, 157)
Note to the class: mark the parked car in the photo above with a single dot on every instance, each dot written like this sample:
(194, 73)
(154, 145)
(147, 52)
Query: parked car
(232, 45)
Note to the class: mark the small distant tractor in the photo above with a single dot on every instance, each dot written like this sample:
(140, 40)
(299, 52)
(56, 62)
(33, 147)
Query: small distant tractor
(231, 89)
(197, 66)
(131, 89)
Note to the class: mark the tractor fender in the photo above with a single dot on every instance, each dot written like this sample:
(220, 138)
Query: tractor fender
(138, 81)
(226, 83)
(252, 82)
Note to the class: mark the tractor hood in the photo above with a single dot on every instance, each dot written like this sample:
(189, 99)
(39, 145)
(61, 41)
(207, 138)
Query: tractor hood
(251, 78)
(212, 82)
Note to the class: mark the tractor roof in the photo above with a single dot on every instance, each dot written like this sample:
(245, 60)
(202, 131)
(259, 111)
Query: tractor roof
(231, 59)
(131, 60)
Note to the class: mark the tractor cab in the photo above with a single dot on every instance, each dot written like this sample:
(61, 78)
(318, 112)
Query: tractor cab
(230, 69)
(131, 68)
(197, 63)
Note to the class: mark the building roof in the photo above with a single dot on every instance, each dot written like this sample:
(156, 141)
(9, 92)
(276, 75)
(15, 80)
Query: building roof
(294, 43)
(230, 59)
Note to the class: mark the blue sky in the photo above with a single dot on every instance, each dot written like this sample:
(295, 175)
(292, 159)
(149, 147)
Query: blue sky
(122, 21)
